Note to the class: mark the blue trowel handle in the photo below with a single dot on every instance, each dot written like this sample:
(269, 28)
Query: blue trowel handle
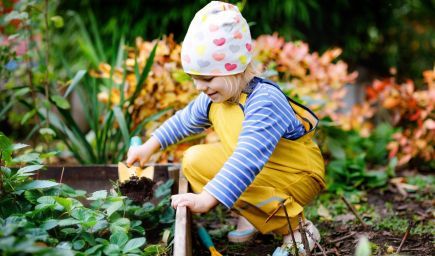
(135, 141)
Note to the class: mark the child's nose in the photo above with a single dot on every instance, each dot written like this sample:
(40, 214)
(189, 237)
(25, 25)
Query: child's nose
(200, 86)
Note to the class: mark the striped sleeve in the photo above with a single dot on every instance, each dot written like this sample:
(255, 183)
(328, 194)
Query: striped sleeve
(190, 120)
(268, 116)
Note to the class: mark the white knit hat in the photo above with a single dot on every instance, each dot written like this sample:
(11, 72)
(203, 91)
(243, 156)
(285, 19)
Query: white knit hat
(218, 42)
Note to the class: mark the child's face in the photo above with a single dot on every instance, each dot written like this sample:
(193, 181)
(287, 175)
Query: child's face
(218, 88)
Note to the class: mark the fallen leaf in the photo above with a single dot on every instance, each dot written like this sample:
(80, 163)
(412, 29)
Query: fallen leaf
(323, 212)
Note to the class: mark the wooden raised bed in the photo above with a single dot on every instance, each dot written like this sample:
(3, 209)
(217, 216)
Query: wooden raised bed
(98, 177)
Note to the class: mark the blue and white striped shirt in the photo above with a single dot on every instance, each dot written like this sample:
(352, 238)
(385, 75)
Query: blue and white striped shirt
(268, 118)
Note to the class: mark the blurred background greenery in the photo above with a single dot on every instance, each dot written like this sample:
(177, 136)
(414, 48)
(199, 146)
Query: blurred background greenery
(376, 35)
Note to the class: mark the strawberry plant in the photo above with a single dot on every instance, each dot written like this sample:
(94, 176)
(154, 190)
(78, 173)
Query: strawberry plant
(39, 217)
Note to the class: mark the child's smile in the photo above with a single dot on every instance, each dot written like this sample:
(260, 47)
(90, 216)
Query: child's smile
(217, 87)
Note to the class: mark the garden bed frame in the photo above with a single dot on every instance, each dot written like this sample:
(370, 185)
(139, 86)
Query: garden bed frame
(98, 177)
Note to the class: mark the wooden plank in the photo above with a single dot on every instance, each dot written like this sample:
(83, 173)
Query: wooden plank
(182, 236)
(95, 177)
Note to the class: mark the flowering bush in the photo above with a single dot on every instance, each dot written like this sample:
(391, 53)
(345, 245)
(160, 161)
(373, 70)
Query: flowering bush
(409, 109)
(319, 80)
(166, 85)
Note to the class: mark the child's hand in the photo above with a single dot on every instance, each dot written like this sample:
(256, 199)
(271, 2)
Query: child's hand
(197, 203)
(143, 152)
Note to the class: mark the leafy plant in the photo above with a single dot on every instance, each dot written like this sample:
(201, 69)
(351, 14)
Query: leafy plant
(111, 125)
(40, 217)
(354, 160)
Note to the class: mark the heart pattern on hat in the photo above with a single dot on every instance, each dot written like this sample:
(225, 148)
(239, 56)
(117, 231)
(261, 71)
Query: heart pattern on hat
(248, 47)
(229, 66)
(218, 41)
(238, 35)
(218, 56)
(213, 28)
(203, 63)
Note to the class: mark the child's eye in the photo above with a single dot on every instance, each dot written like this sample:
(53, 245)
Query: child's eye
(203, 78)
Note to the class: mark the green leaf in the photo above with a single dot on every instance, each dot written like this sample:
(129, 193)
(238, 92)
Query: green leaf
(70, 231)
(27, 116)
(119, 238)
(27, 158)
(122, 124)
(121, 224)
(80, 74)
(78, 244)
(64, 245)
(5, 148)
(19, 146)
(66, 203)
(141, 79)
(60, 101)
(58, 21)
(32, 196)
(113, 207)
(112, 249)
(120, 54)
(101, 224)
(49, 154)
(139, 229)
(392, 166)
(38, 184)
(154, 249)
(335, 148)
(46, 200)
(134, 244)
(97, 195)
(49, 224)
(68, 222)
(164, 189)
(94, 249)
(47, 132)
(22, 91)
(167, 216)
(376, 178)
(29, 168)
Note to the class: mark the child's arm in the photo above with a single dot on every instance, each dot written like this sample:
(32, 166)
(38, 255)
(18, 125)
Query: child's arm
(193, 119)
(190, 120)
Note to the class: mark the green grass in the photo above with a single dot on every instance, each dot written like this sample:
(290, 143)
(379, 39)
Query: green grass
(398, 225)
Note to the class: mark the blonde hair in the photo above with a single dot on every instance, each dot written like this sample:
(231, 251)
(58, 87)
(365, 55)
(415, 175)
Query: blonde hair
(239, 81)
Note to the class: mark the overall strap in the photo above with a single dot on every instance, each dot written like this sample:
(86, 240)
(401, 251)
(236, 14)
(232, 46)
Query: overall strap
(308, 119)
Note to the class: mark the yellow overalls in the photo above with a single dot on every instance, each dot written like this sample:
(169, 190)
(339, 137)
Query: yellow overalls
(294, 173)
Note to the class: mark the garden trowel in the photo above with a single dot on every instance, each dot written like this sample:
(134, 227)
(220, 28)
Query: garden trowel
(124, 172)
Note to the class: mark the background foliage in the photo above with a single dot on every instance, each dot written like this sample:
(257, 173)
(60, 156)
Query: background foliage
(374, 34)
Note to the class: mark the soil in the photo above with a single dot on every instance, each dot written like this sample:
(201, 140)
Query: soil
(139, 190)
(341, 239)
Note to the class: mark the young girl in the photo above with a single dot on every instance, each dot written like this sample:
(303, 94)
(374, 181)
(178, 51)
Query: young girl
(266, 160)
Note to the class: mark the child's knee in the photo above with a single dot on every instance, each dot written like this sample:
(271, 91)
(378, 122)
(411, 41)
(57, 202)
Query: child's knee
(192, 160)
